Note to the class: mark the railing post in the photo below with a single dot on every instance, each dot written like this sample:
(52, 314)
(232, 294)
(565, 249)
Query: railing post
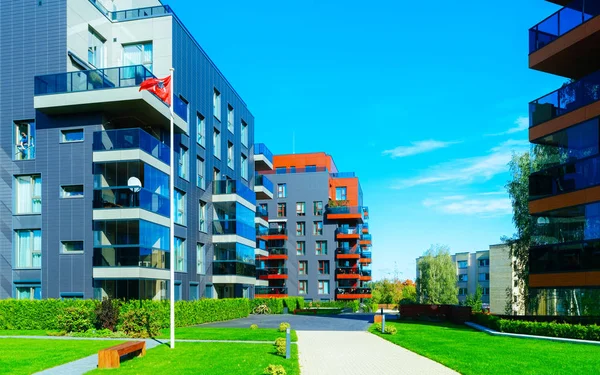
(287, 344)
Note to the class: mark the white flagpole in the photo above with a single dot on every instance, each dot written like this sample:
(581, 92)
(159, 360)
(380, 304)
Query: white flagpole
(172, 216)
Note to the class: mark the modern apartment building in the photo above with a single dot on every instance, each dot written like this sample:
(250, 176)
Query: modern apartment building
(84, 194)
(564, 187)
(318, 242)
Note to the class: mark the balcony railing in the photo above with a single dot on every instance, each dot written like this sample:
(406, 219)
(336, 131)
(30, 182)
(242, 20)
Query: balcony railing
(126, 139)
(343, 174)
(88, 80)
(130, 257)
(231, 227)
(131, 197)
(271, 232)
(136, 14)
(234, 187)
(347, 250)
(568, 98)
(226, 267)
(365, 272)
(365, 255)
(347, 271)
(284, 170)
(271, 272)
(365, 237)
(262, 149)
(278, 251)
(261, 180)
(270, 290)
(346, 230)
(262, 213)
(564, 178)
(568, 257)
(561, 22)
(348, 290)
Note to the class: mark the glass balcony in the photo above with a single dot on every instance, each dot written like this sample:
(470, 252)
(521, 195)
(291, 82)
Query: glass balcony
(130, 257)
(180, 108)
(261, 180)
(365, 237)
(568, 257)
(272, 232)
(271, 272)
(566, 19)
(347, 271)
(131, 197)
(136, 14)
(365, 255)
(262, 213)
(564, 178)
(126, 139)
(234, 268)
(568, 98)
(278, 251)
(347, 250)
(351, 290)
(234, 227)
(270, 290)
(88, 80)
(221, 187)
(343, 175)
(262, 149)
(347, 230)
(365, 272)
(283, 170)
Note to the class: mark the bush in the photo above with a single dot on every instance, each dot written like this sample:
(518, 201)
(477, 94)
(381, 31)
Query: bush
(274, 304)
(280, 346)
(139, 323)
(254, 326)
(98, 333)
(283, 326)
(275, 370)
(293, 303)
(390, 330)
(75, 319)
(38, 314)
(108, 314)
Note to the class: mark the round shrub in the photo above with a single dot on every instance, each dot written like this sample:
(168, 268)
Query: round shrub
(75, 319)
(280, 344)
(139, 323)
(275, 370)
(283, 326)
(254, 326)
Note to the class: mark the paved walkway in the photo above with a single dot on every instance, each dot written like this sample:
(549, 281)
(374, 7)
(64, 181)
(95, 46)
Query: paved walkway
(360, 353)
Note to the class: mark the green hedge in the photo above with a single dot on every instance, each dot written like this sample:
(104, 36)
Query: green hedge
(38, 314)
(550, 329)
(354, 304)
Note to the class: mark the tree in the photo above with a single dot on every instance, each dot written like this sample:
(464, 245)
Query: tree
(388, 291)
(409, 294)
(437, 281)
(475, 300)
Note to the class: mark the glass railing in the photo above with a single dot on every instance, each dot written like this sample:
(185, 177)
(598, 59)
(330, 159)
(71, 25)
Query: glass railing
(564, 178)
(365, 237)
(136, 14)
(233, 187)
(130, 257)
(88, 80)
(365, 255)
(278, 251)
(262, 213)
(131, 197)
(347, 250)
(261, 180)
(346, 271)
(125, 139)
(344, 230)
(233, 268)
(566, 19)
(345, 210)
(270, 290)
(262, 149)
(343, 174)
(272, 232)
(569, 257)
(350, 290)
(365, 272)
(271, 271)
(283, 170)
(227, 227)
(566, 99)
(100, 7)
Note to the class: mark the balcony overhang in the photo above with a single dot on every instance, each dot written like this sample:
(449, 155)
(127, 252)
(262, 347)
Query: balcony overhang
(273, 277)
(345, 236)
(365, 260)
(348, 276)
(272, 257)
(365, 242)
(129, 214)
(133, 154)
(124, 102)
(347, 256)
(261, 282)
(273, 237)
(260, 253)
(565, 121)
(332, 216)
(233, 238)
(262, 192)
(116, 273)
(270, 295)
(353, 296)
(564, 279)
(228, 198)
(365, 278)
(261, 163)
(574, 198)
(233, 279)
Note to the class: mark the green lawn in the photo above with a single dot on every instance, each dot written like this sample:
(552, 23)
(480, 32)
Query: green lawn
(31, 332)
(472, 352)
(210, 333)
(26, 356)
(208, 358)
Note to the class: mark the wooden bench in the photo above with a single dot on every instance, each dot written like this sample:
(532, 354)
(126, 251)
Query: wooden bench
(111, 357)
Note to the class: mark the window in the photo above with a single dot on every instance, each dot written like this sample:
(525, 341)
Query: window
(323, 286)
(202, 217)
(340, 193)
(71, 247)
(281, 190)
(318, 208)
(138, 54)
(200, 257)
(217, 104)
(324, 267)
(216, 174)
(28, 193)
(321, 247)
(302, 267)
(463, 264)
(244, 132)
(201, 130)
(177, 290)
(485, 291)
(28, 248)
(281, 210)
(311, 168)
(318, 228)
(217, 144)
(300, 209)
(300, 248)
(300, 228)
(280, 170)
(28, 291)
(244, 166)
(180, 254)
(182, 168)
(201, 171)
(194, 291)
(230, 162)
(484, 277)
(23, 140)
(71, 135)
(463, 277)
(484, 262)
(180, 203)
(95, 48)
(462, 291)
(292, 169)
(230, 121)
(302, 286)
(71, 191)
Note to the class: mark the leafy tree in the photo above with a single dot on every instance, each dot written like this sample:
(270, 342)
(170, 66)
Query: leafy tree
(475, 300)
(437, 281)
(409, 294)
(388, 291)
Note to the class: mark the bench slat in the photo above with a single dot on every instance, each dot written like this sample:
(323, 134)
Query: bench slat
(111, 357)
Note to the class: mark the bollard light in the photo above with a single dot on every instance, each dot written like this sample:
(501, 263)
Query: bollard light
(287, 343)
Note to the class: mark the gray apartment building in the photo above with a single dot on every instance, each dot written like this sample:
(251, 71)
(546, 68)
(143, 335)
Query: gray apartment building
(84, 197)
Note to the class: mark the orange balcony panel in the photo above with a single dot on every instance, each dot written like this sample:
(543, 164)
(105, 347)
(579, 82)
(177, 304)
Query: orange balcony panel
(365, 230)
(348, 276)
(270, 295)
(272, 257)
(565, 279)
(562, 122)
(274, 237)
(273, 277)
(574, 198)
(344, 217)
(353, 296)
(365, 278)
(342, 236)
(365, 242)
(347, 256)
(365, 260)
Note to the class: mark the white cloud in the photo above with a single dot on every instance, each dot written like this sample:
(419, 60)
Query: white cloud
(477, 204)
(415, 148)
(468, 170)
(521, 124)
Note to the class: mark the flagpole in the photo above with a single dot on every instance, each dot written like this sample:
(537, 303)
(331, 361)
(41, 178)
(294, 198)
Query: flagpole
(172, 217)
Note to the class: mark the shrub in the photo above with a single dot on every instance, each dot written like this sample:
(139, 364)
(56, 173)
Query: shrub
(139, 323)
(283, 326)
(108, 314)
(37, 314)
(275, 370)
(390, 330)
(75, 319)
(274, 304)
(293, 303)
(280, 346)
(254, 326)
(98, 333)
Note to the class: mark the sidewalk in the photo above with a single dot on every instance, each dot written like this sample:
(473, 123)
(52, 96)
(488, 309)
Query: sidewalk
(360, 353)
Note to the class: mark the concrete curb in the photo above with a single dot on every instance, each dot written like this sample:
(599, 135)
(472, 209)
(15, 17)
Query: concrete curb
(534, 337)
(158, 341)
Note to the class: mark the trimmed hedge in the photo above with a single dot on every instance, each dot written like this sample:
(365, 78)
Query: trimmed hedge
(276, 305)
(39, 314)
(354, 304)
(550, 329)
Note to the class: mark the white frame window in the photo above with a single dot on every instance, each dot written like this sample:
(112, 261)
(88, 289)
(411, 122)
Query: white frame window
(217, 104)
(201, 172)
(201, 130)
(183, 166)
(71, 191)
(28, 194)
(201, 259)
(323, 287)
(281, 190)
(180, 206)
(202, 224)
(230, 153)
(341, 193)
(244, 133)
(217, 143)
(28, 248)
(180, 255)
(138, 54)
(230, 119)
(96, 48)
(72, 135)
(300, 208)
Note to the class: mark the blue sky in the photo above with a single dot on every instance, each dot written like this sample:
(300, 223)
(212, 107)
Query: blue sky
(424, 100)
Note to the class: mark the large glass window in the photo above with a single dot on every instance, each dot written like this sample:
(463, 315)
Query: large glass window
(323, 286)
(180, 254)
(230, 119)
(201, 130)
(29, 291)
(217, 104)
(340, 193)
(244, 132)
(281, 190)
(318, 208)
(230, 153)
(28, 194)
(180, 206)
(217, 143)
(183, 167)
(24, 140)
(28, 248)
(138, 54)
(202, 217)
(201, 259)
(244, 166)
(201, 171)
(302, 287)
(96, 55)
(71, 135)
(300, 248)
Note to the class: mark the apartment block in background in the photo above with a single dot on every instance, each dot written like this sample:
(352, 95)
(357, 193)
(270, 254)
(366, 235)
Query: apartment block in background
(318, 240)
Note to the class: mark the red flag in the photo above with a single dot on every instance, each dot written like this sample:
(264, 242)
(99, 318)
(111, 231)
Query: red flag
(161, 87)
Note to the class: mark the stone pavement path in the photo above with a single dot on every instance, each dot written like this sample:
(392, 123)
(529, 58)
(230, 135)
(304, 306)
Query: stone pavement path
(360, 353)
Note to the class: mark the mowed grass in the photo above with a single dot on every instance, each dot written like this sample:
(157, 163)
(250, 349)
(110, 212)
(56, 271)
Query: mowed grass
(472, 352)
(208, 358)
(242, 334)
(30, 332)
(27, 356)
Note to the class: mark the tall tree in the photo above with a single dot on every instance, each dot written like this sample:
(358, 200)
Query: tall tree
(437, 277)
